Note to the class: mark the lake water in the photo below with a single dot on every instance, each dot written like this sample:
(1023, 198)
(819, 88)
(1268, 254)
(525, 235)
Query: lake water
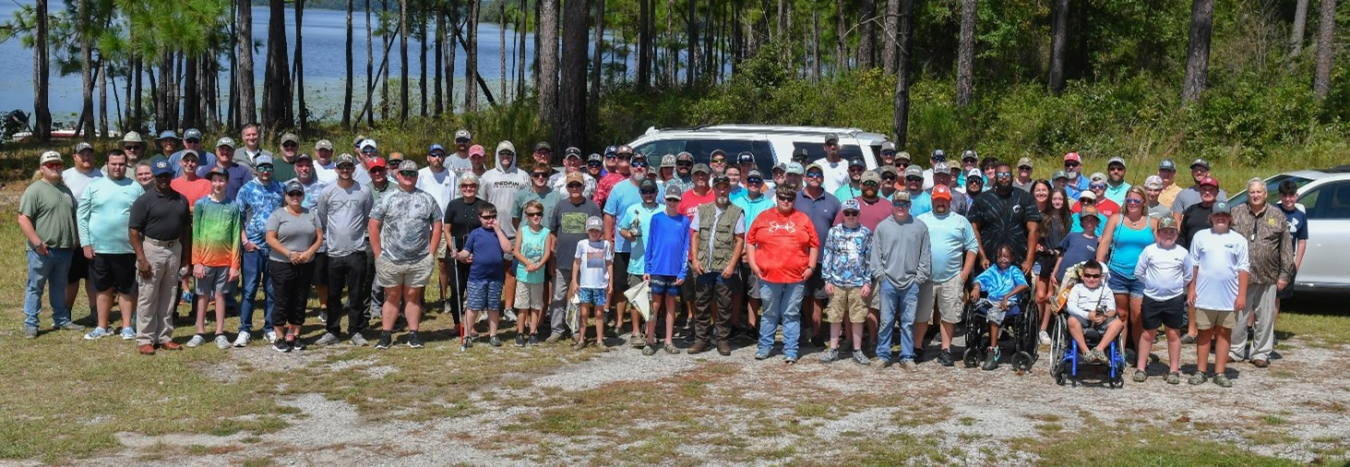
(325, 64)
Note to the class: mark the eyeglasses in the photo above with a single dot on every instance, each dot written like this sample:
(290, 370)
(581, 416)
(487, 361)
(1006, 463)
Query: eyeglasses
(265, 168)
(1092, 276)
(131, 148)
(1024, 169)
(1071, 164)
(491, 217)
(1133, 201)
(647, 192)
(1003, 175)
(638, 165)
(408, 174)
(534, 214)
(1097, 186)
(192, 141)
(719, 160)
(815, 174)
(850, 213)
(901, 204)
(468, 185)
(573, 185)
(782, 198)
(611, 156)
(1087, 201)
(539, 175)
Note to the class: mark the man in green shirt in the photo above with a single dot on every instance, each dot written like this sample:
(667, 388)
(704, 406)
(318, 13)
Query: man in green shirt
(47, 220)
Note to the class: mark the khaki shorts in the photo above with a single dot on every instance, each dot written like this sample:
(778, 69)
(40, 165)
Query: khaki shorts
(948, 296)
(414, 274)
(846, 301)
(1208, 319)
(529, 296)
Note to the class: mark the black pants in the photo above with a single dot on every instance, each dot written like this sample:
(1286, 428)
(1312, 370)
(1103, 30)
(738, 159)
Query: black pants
(290, 286)
(707, 288)
(350, 272)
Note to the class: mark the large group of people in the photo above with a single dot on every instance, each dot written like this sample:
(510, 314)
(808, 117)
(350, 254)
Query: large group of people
(827, 251)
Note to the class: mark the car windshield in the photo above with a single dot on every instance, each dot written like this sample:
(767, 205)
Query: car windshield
(1272, 188)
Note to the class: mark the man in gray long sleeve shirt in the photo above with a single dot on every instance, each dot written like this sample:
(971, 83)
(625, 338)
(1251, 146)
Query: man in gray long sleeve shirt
(900, 260)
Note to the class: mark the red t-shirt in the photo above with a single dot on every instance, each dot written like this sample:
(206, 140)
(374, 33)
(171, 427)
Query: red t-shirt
(192, 190)
(869, 215)
(782, 245)
(605, 186)
(1105, 207)
(690, 202)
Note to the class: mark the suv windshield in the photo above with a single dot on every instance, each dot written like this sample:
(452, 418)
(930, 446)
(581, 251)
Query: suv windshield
(702, 148)
(816, 151)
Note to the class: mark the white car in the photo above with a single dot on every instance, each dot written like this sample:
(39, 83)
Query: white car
(770, 144)
(1325, 198)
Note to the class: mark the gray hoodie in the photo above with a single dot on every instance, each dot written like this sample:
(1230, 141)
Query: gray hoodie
(900, 252)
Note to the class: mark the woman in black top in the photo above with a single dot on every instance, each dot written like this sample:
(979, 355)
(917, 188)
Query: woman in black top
(1056, 219)
(461, 217)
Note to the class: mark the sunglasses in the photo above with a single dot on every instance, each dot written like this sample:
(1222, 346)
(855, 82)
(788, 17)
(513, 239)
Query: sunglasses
(539, 175)
(850, 213)
(814, 174)
(468, 185)
(889, 178)
(1097, 186)
(1003, 175)
(901, 204)
(904, 165)
(593, 163)
(436, 155)
(611, 156)
(289, 145)
(719, 160)
(1072, 164)
(784, 198)
(408, 174)
(685, 164)
(647, 192)
(461, 140)
(296, 193)
(1134, 201)
(1092, 276)
(346, 167)
(913, 179)
(53, 165)
(639, 165)
(131, 148)
(534, 214)
(1115, 168)
(754, 181)
(573, 185)
(265, 168)
(491, 217)
(368, 151)
(870, 183)
(378, 170)
(888, 153)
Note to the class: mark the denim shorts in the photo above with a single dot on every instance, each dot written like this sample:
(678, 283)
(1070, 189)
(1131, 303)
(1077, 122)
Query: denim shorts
(591, 296)
(664, 285)
(1120, 285)
(485, 295)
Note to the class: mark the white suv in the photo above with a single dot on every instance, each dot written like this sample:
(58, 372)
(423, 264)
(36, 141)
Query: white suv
(770, 144)
(1324, 196)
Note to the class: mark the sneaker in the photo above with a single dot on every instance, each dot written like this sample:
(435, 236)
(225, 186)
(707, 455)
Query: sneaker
(1198, 378)
(1187, 339)
(186, 298)
(70, 327)
(323, 316)
(881, 363)
(29, 332)
(128, 334)
(1045, 338)
(671, 349)
(328, 339)
(579, 345)
(829, 355)
(990, 360)
(295, 342)
(281, 346)
(509, 315)
(1222, 380)
(724, 348)
(239, 341)
(520, 340)
(97, 333)
(413, 340)
(385, 342)
(908, 365)
(271, 336)
(553, 338)
(761, 355)
(359, 340)
(1097, 356)
(789, 360)
(860, 358)
(1261, 363)
(945, 358)
(534, 340)
(222, 342)
(1140, 376)
(649, 350)
(636, 341)
(196, 341)
(494, 341)
(1174, 378)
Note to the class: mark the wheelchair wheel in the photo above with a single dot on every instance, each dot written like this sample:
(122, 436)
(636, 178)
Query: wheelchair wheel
(1021, 361)
(972, 357)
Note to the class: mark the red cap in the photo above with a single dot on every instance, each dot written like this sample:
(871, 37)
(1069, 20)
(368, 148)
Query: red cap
(1209, 181)
(376, 162)
(1073, 156)
(942, 192)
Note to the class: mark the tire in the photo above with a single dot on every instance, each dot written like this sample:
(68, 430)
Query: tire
(1022, 361)
(972, 357)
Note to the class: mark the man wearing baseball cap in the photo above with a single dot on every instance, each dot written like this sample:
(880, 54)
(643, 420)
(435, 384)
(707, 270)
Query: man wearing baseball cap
(618, 173)
(192, 139)
(1153, 186)
(324, 168)
(442, 184)
(684, 177)
(667, 169)
(853, 187)
(573, 162)
(1097, 187)
(1190, 196)
(459, 162)
(954, 252)
(622, 197)
(1023, 179)
(1116, 186)
(567, 226)
(833, 167)
(284, 163)
(257, 200)
(887, 154)
(161, 236)
(717, 241)
(937, 156)
(344, 212)
(1167, 171)
(405, 230)
(821, 207)
(1073, 167)
(47, 220)
(224, 159)
(921, 203)
(76, 178)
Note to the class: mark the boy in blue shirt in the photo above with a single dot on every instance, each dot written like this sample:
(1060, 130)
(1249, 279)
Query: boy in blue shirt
(483, 250)
(667, 258)
(847, 280)
(1003, 283)
(1079, 246)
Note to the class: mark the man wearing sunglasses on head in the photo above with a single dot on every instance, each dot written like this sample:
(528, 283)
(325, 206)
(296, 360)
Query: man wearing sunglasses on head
(1073, 167)
(1105, 206)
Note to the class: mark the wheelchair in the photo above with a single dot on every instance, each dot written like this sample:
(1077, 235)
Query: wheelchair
(1066, 359)
(1022, 329)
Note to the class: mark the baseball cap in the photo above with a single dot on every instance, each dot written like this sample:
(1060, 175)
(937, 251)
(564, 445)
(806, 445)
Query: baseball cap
(1153, 182)
(1209, 181)
(816, 167)
(1167, 223)
(624, 149)
(1167, 164)
(407, 166)
(672, 192)
(902, 155)
(887, 146)
(1073, 156)
(976, 174)
(575, 177)
(167, 134)
(262, 160)
(684, 157)
(368, 143)
(754, 173)
(913, 171)
(701, 167)
(49, 156)
(344, 158)
(395, 157)
(745, 157)
(720, 179)
(1200, 162)
(1060, 174)
(1089, 214)
(668, 160)
(1024, 162)
(82, 146)
(801, 155)
(647, 184)
(594, 223)
(890, 169)
(217, 170)
(303, 156)
(463, 134)
(379, 162)
(540, 146)
(941, 192)
(716, 152)
(1221, 207)
(433, 148)
(357, 142)
(857, 163)
(506, 146)
(570, 153)
(871, 176)
(969, 154)
(294, 187)
(1097, 177)
(901, 195)
(941, 168)
(595, 158)
(193, 133)
(938, 155)
(476, 150)
(133, 138)
(1116, 160)
(1088, 194)
(795, 168)
(290, 138)
(831, 138)
(324, 144)
(851, 204)
(161, 167)
(190, 152)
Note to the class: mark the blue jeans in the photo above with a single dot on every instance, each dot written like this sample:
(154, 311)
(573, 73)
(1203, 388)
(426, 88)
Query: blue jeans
(893, 300)
(253, 266)
(782, 305)
(54, 266)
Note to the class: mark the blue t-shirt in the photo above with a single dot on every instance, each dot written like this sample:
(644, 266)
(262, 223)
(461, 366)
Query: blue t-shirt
(1000, 282)
(487, 255)
(920, 204)
(949, 237)
(623, 196)
(752, 208)
(667, 251)
(1298, 225)
(1076, 248)
(820, 210)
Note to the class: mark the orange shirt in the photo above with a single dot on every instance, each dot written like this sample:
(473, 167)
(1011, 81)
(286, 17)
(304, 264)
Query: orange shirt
(782, 245)
(193, 190)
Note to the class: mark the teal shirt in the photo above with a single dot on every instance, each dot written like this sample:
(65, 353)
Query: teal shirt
(1117, 193)
(643, 216)
(103, 212)
(532, 247)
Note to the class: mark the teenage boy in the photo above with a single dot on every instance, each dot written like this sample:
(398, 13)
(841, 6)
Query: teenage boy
(484, 250)
(1218, 290)
(1163, 269)
(847, 280)
(215, 253)
(666, 255)
(590, 280)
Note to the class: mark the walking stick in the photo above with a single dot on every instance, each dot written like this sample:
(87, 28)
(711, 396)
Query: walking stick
(454, 287)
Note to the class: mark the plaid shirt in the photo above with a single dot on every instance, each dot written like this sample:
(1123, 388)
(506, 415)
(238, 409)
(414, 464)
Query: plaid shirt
(1268, 243)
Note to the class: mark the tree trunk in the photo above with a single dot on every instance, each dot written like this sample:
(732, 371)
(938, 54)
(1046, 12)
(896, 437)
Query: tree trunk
(867, 35)
(41, 63)
(471, 58)
(192, 94)
(965, 61)
(1300, 26)
(889, 55)
(522, 26)
(86, 126)
(501, 49)
(369, 110)
(347, 95)
(453, 19)
(1059, 33)
(422, 64)
(547, 51)
(841, 40)
(815, 46)
(1197, 50)
(1326, 35)
(903, 48)
(644, 69)
(386, 41)
(439, 104)
(102, 77)
(403, 60)
(572, 91)
(248, 112)
(597, 59)
(277, 107)
(232, 114)
(302, 112)
(691, 41)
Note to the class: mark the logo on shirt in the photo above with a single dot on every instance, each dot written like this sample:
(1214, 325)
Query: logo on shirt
(790, 227)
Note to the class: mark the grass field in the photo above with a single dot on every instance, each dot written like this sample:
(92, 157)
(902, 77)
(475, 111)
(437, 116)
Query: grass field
(70, 401)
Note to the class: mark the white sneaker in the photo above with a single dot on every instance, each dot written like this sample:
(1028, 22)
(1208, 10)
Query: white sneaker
(196, 341)
(1045, 338)
(271, 336)
(221, 342)
(242, 339)
(509, 315)
(128, 334)
(97, 333)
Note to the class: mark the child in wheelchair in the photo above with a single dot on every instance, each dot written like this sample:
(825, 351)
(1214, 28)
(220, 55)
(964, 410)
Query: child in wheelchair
(1092, 308)
(1001, 284)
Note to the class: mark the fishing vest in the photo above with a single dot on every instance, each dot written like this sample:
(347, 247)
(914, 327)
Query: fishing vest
(723, 243)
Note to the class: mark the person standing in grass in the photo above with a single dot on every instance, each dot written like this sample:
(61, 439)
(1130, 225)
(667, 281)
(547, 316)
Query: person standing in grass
(783, 248)
(1298, 233)
(847, 280)
(344, 211)
(954, 251)
(624, 195)
(294, 236)
(47, 220)
(1163, 269)
(215, 254)
(1217, 291)
(590, 280)
(78, 178)
(483, 251)
(257, 200)
(667, 263)
(635, 226)
(405, 229)
(161, 236)
(533, 249)
(102, 216)
(568, 227)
